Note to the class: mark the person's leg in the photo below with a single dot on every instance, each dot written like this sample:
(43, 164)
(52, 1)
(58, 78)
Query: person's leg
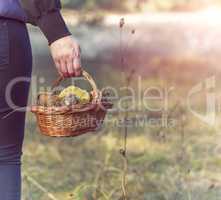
(15, 71)
(10, 182)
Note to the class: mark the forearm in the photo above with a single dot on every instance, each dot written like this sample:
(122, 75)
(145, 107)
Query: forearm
(46, 15)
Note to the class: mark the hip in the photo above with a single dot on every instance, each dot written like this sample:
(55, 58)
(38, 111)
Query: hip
(15, 47)
(15, 61)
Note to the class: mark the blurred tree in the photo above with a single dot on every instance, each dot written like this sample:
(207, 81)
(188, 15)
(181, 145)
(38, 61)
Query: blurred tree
(123, 5)
(92, 4)
(75, 4)
(139, 4)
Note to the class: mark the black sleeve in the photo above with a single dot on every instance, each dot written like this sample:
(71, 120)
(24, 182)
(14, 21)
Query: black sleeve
(46, 15)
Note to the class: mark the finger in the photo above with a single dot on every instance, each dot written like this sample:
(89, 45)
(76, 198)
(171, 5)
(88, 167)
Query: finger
(70, 67)
(77, 67)
(63, 68)
(77, 51)
(77, 61)
(58, 67)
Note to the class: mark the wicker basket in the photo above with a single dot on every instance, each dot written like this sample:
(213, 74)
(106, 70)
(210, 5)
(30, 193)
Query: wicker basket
(74, 120)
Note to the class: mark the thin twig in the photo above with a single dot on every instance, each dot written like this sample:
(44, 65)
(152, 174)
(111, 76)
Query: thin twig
(127, 80)
(123, 151)
(40, 187)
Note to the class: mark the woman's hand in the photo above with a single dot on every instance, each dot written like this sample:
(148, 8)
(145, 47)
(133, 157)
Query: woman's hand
(66, 55)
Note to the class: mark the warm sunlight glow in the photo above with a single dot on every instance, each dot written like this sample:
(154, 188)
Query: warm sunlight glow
(211, 13)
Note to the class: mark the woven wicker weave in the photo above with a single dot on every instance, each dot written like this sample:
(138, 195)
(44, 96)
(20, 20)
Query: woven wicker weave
(74, 120)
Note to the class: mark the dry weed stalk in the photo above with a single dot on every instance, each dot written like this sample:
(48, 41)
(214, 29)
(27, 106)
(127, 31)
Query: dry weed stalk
(128, 80)
(39, 186)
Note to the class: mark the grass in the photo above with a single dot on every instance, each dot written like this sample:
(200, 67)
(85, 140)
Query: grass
(89, 166)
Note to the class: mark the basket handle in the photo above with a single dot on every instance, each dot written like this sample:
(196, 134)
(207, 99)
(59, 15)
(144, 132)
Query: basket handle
(85, 74)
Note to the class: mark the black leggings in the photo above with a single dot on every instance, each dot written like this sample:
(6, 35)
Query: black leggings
(15, 73)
